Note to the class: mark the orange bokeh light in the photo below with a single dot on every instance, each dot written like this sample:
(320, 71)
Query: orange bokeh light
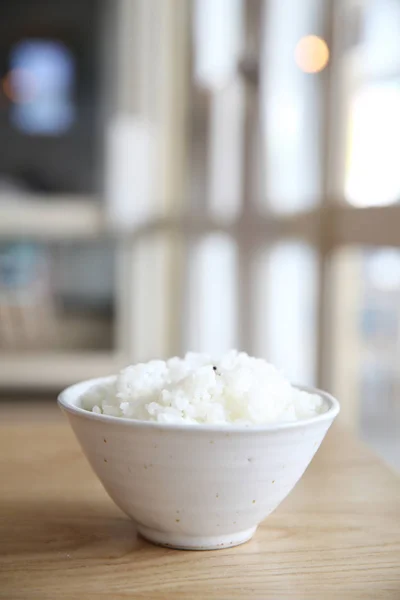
(19, 86)
(311, 54)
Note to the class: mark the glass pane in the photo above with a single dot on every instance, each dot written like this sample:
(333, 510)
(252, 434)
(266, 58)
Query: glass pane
(370, 82)
(284, 329)
(294, 56)
(217, 108)
(154, 261)
(372, 173)
(56, 297)
(211, 312)
(40, 85)
(374, 44)
(366, 343)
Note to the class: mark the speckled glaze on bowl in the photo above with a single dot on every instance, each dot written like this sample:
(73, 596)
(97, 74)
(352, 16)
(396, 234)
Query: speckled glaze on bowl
(195, 487)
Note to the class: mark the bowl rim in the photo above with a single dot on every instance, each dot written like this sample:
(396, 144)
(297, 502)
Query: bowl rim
(69, 396)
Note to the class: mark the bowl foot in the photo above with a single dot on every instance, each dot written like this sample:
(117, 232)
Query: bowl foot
(183, 541)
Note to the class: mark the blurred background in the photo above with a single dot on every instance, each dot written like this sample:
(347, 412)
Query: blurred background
(203, 174)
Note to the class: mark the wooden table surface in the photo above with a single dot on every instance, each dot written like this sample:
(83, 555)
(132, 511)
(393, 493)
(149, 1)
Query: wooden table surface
(337, 536)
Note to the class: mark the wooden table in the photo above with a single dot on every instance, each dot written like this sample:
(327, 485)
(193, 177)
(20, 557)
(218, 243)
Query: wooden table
(337, 536)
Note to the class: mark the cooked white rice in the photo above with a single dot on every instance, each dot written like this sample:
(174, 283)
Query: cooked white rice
(235, 389)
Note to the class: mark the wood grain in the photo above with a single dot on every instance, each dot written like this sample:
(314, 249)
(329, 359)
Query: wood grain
(337, 536)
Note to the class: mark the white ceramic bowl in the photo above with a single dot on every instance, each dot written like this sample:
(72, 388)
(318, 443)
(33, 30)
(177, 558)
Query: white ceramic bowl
(194, 486)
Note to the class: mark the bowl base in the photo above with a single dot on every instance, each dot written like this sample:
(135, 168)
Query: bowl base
(182, 541)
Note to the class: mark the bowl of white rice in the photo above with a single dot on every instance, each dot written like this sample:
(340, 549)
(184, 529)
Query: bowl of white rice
(198, 450)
